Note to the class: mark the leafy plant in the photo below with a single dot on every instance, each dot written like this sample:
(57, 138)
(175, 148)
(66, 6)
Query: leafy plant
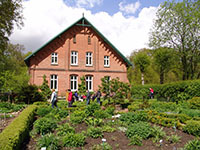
(173, 138)
(77, 116)
(136, 140)
(157, 133)
(192, 145)
(42, 111)
(107, 128)
(94, 132)
(44, 125)
(74, 140)
(100, 114)
(90, 109)
(194, 103)
(50, 141)
(93, 121)
(102, 146)
(64, 129)
(142, 129)
(192, 127)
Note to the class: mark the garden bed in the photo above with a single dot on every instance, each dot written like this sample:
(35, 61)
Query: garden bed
(84, 121)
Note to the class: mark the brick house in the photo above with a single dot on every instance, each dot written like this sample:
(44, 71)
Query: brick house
(80, 50)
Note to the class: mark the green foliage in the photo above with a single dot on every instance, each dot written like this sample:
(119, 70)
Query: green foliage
(105, 85)
(192, 145)
(133, 117)
(43, 110)
(74, 140)
(82, 86)
(110, 110)
(30, 94)
(157, 133)
(107, 128)
(101, 114)
(45, 90)
(50, 141)
(44, 125)
(90, 109)
(175, 27)
(90, 121)
(64, 129)
(190, 112)
(142, 129)
(102, 146)
(94, 132)
(192, 127)
(173, 138)
(194, 103)
(6, 107)
(77, 116)
(15, 134)
(135, 140)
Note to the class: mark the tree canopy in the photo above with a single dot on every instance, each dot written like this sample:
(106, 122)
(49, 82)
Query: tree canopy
(178, 26)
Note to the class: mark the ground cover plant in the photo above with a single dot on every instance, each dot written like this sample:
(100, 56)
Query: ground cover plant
(82, 127)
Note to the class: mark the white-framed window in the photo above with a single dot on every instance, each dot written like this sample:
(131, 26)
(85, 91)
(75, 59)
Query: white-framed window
(74, 82)
(54, 82)
(88, 58)
(106, 61)
(74, 58)
(89, 83)
(54, 58)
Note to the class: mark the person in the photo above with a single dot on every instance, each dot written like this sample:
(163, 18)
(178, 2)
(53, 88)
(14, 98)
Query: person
(94, 96)
(98, 95)
(88, 97)
(70, 95)
(54, 99)
(151, 93)
(76, 95)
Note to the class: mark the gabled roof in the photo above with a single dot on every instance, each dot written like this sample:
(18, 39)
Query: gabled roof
(84, 20)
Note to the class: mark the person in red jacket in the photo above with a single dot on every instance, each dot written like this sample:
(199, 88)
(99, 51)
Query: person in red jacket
(151, 93)
(70, 95)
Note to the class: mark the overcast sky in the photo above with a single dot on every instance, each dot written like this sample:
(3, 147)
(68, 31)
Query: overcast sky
(125, 23)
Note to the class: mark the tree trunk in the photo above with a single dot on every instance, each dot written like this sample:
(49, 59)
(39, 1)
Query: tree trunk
(142, 78)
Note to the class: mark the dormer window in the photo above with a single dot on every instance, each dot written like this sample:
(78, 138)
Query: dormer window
(106, 61)
(54, 58)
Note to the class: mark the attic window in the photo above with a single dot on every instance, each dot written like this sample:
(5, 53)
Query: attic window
(54, 58)
(89, 40)
(74, 39)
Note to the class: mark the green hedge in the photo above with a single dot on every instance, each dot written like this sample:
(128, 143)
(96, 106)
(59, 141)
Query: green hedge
(14, 135)
(176, 91)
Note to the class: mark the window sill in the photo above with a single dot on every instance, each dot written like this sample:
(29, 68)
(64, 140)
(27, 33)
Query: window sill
(106, 66)
(89, 65)
(54, 64)
(75, 65)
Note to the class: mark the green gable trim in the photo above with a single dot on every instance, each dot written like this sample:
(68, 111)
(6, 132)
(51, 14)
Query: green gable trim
(84, 20)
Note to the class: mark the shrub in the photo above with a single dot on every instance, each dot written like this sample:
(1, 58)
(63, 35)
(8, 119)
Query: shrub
(192, 145)
(42, 111)
(191, 112)
(132, 117)
(77, 116)
(194, 103)
(94, 132)
(44, 125)
(157, 133)
(90, 109)
(74, 140)
(64, 129)
(110, 110)
(49, 141)
(15, 134)
(136, 140)
(100, 114)
(192, 127)
(142, 129)
(107, 128)
(6, 107)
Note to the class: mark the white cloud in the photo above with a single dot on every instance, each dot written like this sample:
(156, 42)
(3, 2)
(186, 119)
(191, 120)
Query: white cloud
(45, 19)
(129, 8)
(88, 3)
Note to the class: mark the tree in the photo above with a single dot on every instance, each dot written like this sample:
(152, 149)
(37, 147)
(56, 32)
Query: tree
(142, 61)
(164, 59)
(82, 86)
(45, 90)
(177, 26)
(10, 14)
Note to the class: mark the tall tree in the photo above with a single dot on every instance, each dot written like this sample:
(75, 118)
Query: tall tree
(142, 61)
(164, 59)
(10, 14)
(178, 26)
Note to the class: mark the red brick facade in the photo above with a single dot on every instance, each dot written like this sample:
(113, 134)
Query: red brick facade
(78, 39)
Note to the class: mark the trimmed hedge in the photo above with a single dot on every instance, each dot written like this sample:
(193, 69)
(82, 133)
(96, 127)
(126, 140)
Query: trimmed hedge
(176, 91)
(14, 135)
